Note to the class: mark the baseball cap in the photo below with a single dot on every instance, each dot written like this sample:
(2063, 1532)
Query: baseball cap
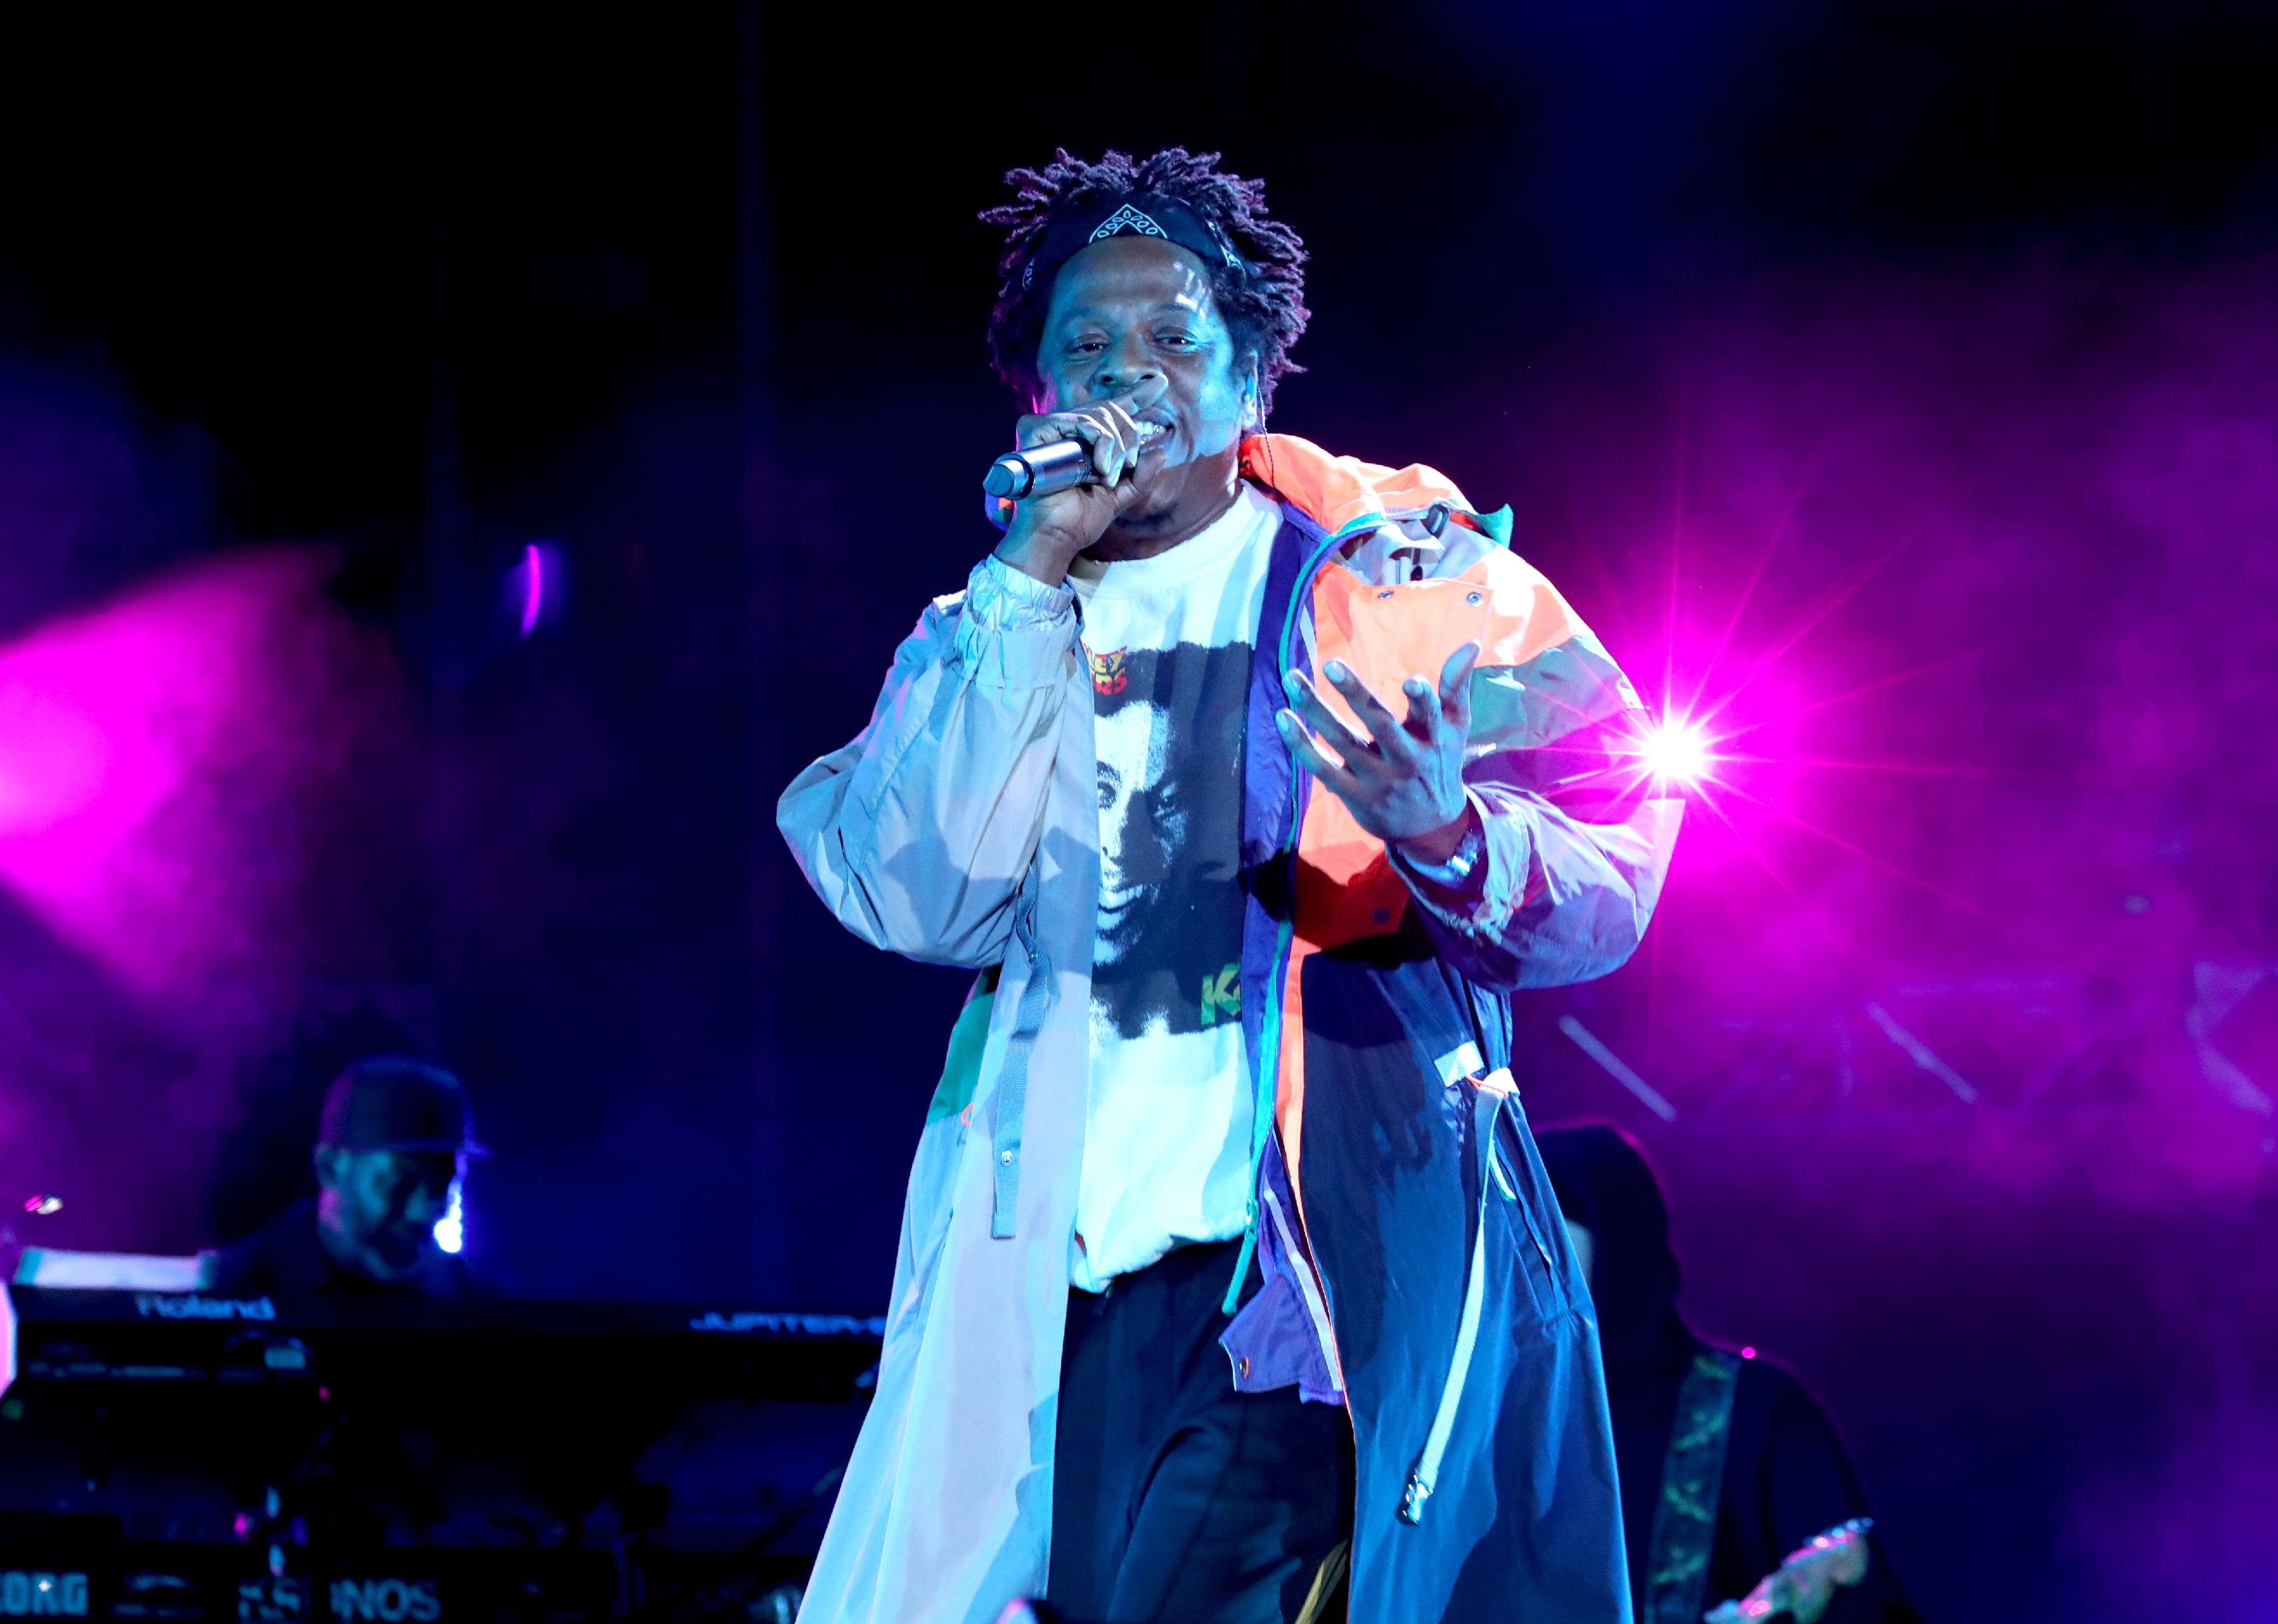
(389, 1103)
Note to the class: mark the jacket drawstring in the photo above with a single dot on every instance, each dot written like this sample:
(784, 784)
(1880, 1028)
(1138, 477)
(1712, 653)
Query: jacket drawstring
(1012, 1101)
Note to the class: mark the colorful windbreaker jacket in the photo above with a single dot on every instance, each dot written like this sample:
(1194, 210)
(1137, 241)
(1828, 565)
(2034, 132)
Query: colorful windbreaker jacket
(1415, 1265)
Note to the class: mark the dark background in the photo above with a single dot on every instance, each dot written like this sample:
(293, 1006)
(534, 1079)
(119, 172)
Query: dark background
(1897, 378)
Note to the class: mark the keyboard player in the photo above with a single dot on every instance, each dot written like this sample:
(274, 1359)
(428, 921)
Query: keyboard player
(392, 1145)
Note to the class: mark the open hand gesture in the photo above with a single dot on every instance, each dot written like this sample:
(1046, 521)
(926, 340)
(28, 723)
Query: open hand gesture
(1403, 780)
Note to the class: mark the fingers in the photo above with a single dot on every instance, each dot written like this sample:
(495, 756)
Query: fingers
(1398, 780)
(1107, 427)
(1456, 686)
(1309, 756)
(1306, 702)
(1391, 738)
(1429, 709)
(1399, 741)
(1424, 719)
(1107, 430)
(1117, 447)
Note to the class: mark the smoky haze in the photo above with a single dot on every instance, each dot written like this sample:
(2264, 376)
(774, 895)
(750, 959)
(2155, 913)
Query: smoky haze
(1891, 386)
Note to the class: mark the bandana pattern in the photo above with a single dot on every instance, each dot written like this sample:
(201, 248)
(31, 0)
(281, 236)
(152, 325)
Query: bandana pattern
(1166, 218)
(1126, 219)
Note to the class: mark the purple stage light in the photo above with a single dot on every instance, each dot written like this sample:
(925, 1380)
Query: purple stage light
(1676, 751)
(534, 594)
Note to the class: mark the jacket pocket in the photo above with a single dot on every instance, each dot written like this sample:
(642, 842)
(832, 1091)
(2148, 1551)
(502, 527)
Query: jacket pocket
(1545, 1264)
(1516, 1191)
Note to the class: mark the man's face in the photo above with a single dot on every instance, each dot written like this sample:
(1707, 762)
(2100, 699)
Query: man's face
(1134, 308)
(1169, 744)
(380, 1207)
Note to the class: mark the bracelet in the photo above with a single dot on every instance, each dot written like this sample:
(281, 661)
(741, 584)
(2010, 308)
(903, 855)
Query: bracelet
(1468, 853)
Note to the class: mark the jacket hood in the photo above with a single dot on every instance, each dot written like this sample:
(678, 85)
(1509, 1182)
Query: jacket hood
(1336, 492)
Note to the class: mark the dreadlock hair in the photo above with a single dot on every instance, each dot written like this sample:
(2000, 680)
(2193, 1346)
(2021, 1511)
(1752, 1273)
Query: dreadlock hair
(1263, 304)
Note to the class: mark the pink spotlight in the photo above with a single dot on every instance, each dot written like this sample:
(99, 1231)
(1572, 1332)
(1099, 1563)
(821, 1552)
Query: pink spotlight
(1675, 749)
(161, 756)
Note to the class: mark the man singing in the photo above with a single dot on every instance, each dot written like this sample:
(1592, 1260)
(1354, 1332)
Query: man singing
(1250, 780)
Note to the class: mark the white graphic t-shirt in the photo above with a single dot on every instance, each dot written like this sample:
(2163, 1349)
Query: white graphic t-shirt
(1166, 1143)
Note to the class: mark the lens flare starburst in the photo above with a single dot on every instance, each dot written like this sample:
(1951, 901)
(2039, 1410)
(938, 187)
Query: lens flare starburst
(1677, 752)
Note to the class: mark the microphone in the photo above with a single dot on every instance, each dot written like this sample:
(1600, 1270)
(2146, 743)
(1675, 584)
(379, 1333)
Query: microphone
(1043, 471)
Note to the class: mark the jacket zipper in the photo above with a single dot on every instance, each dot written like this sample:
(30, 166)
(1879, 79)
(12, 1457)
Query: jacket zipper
(1269, 1043)
(1426, 1476)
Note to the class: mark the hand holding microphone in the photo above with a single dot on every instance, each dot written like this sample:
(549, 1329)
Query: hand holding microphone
(1018, 476)
(1074, 473)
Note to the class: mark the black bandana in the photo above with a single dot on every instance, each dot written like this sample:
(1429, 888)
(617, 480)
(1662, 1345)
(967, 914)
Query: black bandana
(1139, 214)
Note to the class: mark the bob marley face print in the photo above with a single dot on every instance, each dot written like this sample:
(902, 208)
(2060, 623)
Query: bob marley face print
(1167, 1107)
(1167, 729)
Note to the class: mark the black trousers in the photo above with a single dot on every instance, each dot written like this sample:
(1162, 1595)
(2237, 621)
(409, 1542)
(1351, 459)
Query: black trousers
(1176, 1499)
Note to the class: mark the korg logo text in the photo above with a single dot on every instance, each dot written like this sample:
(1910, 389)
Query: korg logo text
(389, 1601)
(50, 1595)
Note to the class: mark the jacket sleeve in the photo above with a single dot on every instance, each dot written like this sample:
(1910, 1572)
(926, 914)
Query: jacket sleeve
(1558, 899)
(1575, 835)
(918, 833)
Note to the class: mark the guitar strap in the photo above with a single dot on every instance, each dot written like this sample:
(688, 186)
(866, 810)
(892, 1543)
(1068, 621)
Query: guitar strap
(1692, 1479)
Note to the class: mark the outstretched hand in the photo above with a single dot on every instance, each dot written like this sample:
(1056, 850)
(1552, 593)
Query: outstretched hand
(1403, 780)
